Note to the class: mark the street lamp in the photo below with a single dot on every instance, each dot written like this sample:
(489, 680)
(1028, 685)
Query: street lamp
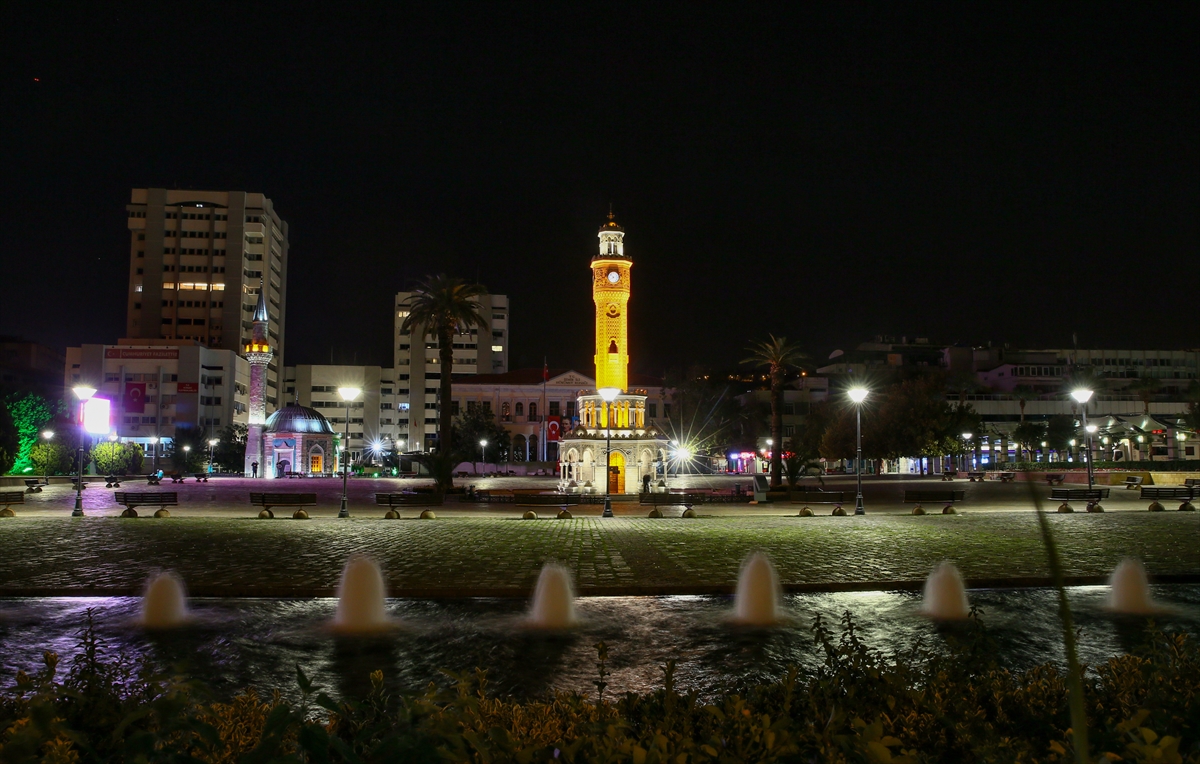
(609, 394)
(1083, 395)
(212, 444)
(966, 447)
(154, 441)
(48, 435)
(483, 451)
(84, 394)
(858, 395)
(347, 394)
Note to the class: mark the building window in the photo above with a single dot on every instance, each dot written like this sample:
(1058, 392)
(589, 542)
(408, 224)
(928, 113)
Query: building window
(520, 409)
(652, 410)
(532, 410)
(554, 408)
(571, 409)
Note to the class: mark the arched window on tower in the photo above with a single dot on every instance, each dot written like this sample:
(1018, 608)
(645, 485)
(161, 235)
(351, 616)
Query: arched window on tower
(612, 346)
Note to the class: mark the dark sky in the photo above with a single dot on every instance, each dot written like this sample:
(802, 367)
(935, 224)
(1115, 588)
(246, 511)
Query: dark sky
(826, 171)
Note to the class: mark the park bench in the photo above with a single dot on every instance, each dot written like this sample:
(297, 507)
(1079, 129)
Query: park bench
(201, 477)
(112, 481)
(8, 498)
(1133, 481)
(949, 474)
(1182, 492)
(1056, 479)
(1089, 495)
(177, 477)
(1007, 477)
(817, 497)
(668, 499)
(409, 499)
(153, 479)
(980, 476)
(290, 474)
(134, 499)
(946, 497)
(34, 485)
(1192, 483)
(77, 484)
(268, 500)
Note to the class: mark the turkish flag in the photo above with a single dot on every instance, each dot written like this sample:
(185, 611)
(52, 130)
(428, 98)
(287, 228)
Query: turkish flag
(553, 428)
(135, 398)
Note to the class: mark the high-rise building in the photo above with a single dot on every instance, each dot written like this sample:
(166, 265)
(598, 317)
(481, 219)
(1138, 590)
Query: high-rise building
(418, 368)
(196, 260)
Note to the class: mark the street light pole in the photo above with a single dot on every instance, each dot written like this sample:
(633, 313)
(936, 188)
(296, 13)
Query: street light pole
(1083, 395)
(483, 452)
(48, 435)
(348, 394)
(609, 394)
(858, 395)
(83, 394)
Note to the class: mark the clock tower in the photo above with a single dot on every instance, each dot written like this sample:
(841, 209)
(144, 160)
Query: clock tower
(610, 293)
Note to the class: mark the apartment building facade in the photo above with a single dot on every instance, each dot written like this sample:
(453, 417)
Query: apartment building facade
(196, 262)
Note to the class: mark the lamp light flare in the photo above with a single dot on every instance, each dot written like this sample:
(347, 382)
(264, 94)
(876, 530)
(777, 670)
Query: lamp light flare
(349, 393)
(1081, 394)
(858, 394)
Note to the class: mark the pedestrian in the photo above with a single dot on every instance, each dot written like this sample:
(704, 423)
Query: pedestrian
(254, 469)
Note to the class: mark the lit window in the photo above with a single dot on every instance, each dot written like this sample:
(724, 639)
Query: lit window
(497, 348)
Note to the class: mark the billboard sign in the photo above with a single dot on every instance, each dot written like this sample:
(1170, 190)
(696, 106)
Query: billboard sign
(96, 413)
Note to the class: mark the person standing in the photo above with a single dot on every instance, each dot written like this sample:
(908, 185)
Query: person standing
(254, 469)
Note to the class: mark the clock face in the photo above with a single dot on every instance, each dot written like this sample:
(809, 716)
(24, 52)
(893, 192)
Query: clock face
(613, 277)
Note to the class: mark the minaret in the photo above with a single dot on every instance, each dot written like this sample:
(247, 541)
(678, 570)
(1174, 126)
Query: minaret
(259, 354)
(610, 292)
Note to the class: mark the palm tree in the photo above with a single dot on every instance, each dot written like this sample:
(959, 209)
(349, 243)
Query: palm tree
(1024, 394)
(1144, 388)
(777, 355)
(444, 306)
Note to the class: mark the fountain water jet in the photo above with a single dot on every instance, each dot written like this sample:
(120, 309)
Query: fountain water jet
(945, 596)
(164, 603)
(1130, 589)
(756, 602)
(361, 593)
(553, 599)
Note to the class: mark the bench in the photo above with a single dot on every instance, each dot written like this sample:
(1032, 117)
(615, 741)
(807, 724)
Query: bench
(132, 500)
(153, 480)
(1192, 483)
(1055, 479)
(818, 497)
(201, 477)
(949, 474)
(1133, 481)
(1007, 477)
(34, 485)
(1181, 492)
(409, 499)
(78, 484)
(112, 481)
(671, 499)
(948, 497)
(8, 498)
(177, 477)
(268, 500)
(290, 475)
(1090, 495)
(980, 476)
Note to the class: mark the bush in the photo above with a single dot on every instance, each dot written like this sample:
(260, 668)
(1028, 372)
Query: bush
(859, 706)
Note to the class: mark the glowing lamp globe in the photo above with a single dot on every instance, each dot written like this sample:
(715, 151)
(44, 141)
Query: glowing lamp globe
(349, 393)
(858, 394)
(1081, 394)
(609, 394)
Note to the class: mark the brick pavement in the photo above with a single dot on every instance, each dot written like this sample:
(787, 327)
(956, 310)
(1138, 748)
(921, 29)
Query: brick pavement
(496, 555)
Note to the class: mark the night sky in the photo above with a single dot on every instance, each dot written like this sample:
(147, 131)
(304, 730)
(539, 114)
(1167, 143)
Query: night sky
(829, 172)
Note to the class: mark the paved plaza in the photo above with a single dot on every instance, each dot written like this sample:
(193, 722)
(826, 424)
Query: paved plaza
(214, 542)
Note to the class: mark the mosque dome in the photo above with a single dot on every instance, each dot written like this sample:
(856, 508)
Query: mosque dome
(297, 418)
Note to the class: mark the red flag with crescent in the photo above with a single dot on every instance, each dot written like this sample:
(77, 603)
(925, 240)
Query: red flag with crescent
(553, 428)
(135, 398)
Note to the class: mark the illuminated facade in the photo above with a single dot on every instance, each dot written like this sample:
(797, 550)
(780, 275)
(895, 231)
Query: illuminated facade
(258, 352)
(613, 436)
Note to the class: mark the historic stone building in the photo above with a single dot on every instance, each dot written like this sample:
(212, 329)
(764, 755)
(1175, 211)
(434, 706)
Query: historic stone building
(615, 444)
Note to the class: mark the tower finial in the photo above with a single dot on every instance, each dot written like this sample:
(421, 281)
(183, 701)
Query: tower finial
(610, 212)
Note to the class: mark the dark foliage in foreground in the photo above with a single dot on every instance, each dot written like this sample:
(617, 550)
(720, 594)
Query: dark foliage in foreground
(859, 706)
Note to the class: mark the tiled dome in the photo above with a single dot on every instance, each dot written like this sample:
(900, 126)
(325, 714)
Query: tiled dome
(296, 418)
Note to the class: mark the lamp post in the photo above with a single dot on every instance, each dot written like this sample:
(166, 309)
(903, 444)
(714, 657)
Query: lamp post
(84, 394)
(609, 394)
(966, 449)
(48, 435)
(483, 451)
(347, 394)
(858, 395)
(212, 444)
(1083, 395)
(154, 442)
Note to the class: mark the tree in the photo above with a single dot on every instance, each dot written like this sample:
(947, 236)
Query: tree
(777, 355)
(52, 458)
(113, 458)
(10, 441)
(476, 424)
(914, 419)
(1060, 430)
(1144, 388)
(1024, 394)
(188, 449)
(30, 413)
(1029, 436)
(229, 455)
(445, 306)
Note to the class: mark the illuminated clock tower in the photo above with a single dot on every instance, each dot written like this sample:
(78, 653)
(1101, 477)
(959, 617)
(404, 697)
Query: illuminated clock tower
(610, 293)
(614, 449)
